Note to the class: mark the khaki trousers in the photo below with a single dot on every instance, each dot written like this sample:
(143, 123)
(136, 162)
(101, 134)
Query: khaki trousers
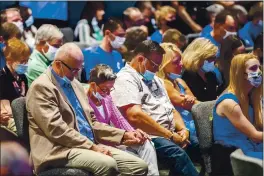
(103, 165)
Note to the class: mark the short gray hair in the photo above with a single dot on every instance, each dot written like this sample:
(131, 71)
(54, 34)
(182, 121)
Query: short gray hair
(48, 32)
(101, 73)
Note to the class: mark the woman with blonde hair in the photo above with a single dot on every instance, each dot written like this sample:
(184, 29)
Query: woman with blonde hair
(179, 93)
(198, 61)
(12, 79)
(165, 16)
(237, 115)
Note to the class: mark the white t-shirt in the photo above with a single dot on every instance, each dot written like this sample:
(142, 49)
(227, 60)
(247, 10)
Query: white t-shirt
(101, 110)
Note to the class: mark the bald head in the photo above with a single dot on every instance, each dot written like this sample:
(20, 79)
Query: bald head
(69, 51)
(68, 60)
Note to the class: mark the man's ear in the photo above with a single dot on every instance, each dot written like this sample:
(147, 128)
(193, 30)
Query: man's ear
(140, 58)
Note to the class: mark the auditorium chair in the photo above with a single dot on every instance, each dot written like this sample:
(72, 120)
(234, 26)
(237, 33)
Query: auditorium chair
(20, 116)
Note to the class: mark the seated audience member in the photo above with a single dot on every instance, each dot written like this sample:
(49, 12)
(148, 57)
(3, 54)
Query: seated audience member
(212, 11)
(175, 37)
(254, 27)
(165, 16)
(258, 47)
(7, 31)
(198, 62)
(132, 17)
(143, 101)
(12, 15)
(224, 26)
(134, 36)
(48, 40)
(12, 79)
(238, 110)
(89, 29)
(61, 118)
(179, 93)
(148, 11)
(29, 29)
(14, 160)
(105, 53)
(231, 47)
(101, 82)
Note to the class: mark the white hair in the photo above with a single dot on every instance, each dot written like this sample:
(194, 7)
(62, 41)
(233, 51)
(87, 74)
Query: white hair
(48, 32)
(69, 51)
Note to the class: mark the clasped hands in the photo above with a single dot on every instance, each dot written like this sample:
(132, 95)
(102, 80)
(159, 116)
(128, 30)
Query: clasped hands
(137, 137)
(181, 138)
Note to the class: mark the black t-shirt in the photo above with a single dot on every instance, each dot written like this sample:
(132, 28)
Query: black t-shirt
(10, 87)
(203, 91)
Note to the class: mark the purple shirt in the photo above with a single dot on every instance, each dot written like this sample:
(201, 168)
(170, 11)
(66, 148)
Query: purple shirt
(112, 114)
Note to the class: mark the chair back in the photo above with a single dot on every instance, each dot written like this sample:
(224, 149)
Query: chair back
(68, 35)
(20, 116)
(243, 165)
(202, 113)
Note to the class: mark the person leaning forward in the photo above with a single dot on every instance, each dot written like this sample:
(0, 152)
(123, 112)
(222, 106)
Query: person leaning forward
(62, 127)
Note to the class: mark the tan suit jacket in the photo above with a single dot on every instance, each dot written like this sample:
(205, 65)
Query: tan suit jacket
(53, 127)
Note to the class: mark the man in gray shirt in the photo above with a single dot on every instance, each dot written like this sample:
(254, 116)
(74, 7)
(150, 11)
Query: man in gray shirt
(143, 100)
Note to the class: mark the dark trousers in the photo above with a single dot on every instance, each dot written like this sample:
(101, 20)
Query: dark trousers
(172, 155)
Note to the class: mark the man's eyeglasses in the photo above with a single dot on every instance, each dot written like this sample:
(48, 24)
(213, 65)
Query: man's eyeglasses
(154, 65)
(73, 70)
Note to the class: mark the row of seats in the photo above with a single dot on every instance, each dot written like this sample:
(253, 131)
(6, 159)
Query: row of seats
(241, 164)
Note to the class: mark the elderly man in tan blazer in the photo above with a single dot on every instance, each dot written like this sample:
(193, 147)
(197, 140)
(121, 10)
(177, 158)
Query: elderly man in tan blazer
(62, 127)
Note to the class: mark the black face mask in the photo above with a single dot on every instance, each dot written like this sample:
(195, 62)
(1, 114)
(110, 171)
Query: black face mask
(171, 23)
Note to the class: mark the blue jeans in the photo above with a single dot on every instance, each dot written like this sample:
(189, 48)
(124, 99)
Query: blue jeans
(175, 157)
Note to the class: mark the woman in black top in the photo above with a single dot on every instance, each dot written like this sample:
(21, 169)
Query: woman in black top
(13, 82)
(198, 60)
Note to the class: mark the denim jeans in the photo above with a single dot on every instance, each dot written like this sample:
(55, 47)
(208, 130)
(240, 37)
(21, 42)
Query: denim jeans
(175, 157)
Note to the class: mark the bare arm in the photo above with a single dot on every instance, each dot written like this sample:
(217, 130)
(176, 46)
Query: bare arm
(176, 98)
(140, 119)
(188, 20)
(233, 112)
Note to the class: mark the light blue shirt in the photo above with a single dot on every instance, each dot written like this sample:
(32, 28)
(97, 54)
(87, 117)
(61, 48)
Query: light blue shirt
(156, 36)
(96, 55)
(206, 30)
(249, 33)
(84, 126)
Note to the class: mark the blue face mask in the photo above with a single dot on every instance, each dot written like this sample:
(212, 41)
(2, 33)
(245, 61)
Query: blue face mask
(29, 21)
(97, 95)
(21, 69)
(65, 79)
(208, 66)
(174, 76)
(255, 78)
(148, 75)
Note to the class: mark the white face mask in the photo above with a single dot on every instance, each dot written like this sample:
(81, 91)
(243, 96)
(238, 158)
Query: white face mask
(228, 33)
(19, 25)
(208, 66)
(118, 42)
(50, 54)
